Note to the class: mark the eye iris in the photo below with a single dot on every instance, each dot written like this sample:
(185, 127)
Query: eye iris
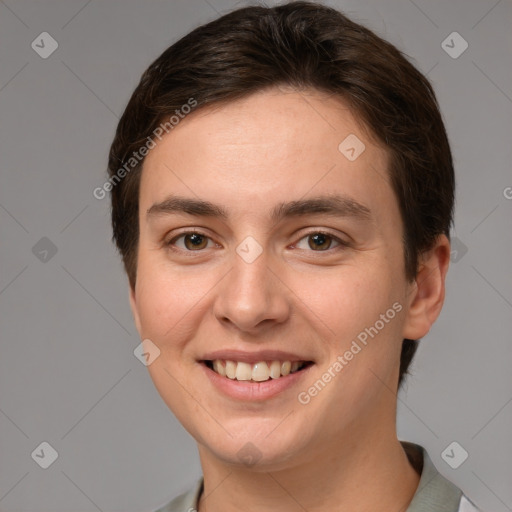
(321, 239)
(196, 241)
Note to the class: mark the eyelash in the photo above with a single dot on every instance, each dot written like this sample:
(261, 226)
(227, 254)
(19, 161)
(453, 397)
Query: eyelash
(342, 244)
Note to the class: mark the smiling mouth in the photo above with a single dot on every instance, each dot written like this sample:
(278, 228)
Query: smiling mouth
(257, 372)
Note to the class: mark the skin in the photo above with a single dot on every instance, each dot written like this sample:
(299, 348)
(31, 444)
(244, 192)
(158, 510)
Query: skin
(340, 451)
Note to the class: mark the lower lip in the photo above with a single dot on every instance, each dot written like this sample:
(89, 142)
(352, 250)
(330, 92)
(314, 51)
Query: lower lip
(254, 391)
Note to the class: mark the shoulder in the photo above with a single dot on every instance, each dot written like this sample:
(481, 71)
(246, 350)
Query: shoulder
(186, 502)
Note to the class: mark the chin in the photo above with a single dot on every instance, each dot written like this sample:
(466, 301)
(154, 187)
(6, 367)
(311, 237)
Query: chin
(253, 448)
(253, 456)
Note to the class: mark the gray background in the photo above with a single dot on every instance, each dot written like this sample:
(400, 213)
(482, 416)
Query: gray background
(68, 375)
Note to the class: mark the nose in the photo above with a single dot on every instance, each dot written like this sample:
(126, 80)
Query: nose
(252, 297)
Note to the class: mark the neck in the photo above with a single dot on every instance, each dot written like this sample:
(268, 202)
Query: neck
(374, 475)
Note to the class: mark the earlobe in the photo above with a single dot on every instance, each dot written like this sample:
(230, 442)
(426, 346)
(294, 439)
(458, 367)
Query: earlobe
(135, 312)
(428, 290)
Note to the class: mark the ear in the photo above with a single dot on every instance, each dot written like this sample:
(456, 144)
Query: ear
(426, 294)
(135, 312)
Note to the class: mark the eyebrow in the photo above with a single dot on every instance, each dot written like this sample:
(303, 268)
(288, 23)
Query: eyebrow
(332, 205)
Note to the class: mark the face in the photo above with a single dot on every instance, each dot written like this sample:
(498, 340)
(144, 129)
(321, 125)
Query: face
(271, 250)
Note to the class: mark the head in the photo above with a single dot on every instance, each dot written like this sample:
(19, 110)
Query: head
(248, 116)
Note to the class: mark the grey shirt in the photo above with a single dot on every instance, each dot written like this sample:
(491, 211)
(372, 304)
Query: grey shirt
(434, 493)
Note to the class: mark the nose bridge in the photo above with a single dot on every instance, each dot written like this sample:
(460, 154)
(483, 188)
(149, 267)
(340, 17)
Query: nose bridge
(251, 293)
(250, 280)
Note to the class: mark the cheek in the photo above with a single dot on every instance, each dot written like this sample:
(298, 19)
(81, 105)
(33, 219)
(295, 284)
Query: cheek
(348, 298)
(356, 303)
(169, 301)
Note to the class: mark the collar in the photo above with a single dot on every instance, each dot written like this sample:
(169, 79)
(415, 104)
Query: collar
(434, 492)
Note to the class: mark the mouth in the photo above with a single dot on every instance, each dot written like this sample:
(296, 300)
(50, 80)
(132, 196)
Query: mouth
(260, 371)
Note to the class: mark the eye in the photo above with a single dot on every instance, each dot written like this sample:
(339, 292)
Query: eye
(320, 241)
(192, 241)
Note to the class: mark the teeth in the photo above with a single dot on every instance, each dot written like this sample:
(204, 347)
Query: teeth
(230, 369)
(219, 368)
(243, 371)
(275, 369)
(258, 372)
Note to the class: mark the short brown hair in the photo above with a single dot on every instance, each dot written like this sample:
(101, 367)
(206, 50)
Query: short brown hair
(304, 45)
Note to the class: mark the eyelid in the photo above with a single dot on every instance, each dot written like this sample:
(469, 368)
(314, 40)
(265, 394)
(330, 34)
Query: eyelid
(341, 243)
(170, 242)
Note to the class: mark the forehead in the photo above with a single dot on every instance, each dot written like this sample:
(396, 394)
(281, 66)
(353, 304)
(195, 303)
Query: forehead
(273, 143)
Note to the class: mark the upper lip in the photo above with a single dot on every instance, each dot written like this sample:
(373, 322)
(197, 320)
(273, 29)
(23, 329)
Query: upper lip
(253, 357)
